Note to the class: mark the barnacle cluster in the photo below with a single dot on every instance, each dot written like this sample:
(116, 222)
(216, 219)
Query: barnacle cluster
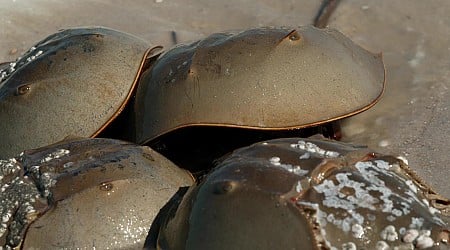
(20, 201)
(27, 57)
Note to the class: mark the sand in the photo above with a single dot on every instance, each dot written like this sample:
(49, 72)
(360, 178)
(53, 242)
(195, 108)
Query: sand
(414, 36)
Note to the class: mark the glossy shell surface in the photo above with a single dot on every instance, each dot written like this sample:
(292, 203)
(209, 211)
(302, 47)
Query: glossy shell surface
(74, 82)
(85, 193)
(296, 193)
(265, 78)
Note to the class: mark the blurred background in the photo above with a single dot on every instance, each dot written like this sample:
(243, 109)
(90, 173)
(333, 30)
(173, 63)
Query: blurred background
(411, 120)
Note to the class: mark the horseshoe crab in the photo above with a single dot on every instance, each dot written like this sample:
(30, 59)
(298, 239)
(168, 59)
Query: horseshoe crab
(296, 193)
(84, 193)
(235, 85)
(240, 87)
(74, 82)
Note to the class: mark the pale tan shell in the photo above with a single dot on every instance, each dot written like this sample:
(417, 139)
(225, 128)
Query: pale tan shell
(74, 82)
(263, 78)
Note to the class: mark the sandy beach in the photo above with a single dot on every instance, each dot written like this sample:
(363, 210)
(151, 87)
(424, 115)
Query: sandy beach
(411, 120)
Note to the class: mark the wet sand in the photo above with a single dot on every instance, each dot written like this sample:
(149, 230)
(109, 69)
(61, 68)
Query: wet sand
(413, 35)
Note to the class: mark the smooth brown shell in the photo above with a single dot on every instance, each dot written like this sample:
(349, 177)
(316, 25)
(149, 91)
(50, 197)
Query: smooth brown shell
(74, 82)
(263, 78)
(99, 193)
(296, 193)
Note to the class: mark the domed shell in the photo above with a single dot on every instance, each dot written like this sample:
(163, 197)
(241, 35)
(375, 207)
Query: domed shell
(73, 82)
(263, 78)
(296, 193)
(85, 191)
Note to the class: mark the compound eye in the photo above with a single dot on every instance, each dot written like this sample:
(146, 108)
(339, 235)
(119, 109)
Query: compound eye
(22, 90)
(294, 36)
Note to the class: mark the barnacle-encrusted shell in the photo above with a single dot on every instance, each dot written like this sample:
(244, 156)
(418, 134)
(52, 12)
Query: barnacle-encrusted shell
(308, 194)
(84, 193)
